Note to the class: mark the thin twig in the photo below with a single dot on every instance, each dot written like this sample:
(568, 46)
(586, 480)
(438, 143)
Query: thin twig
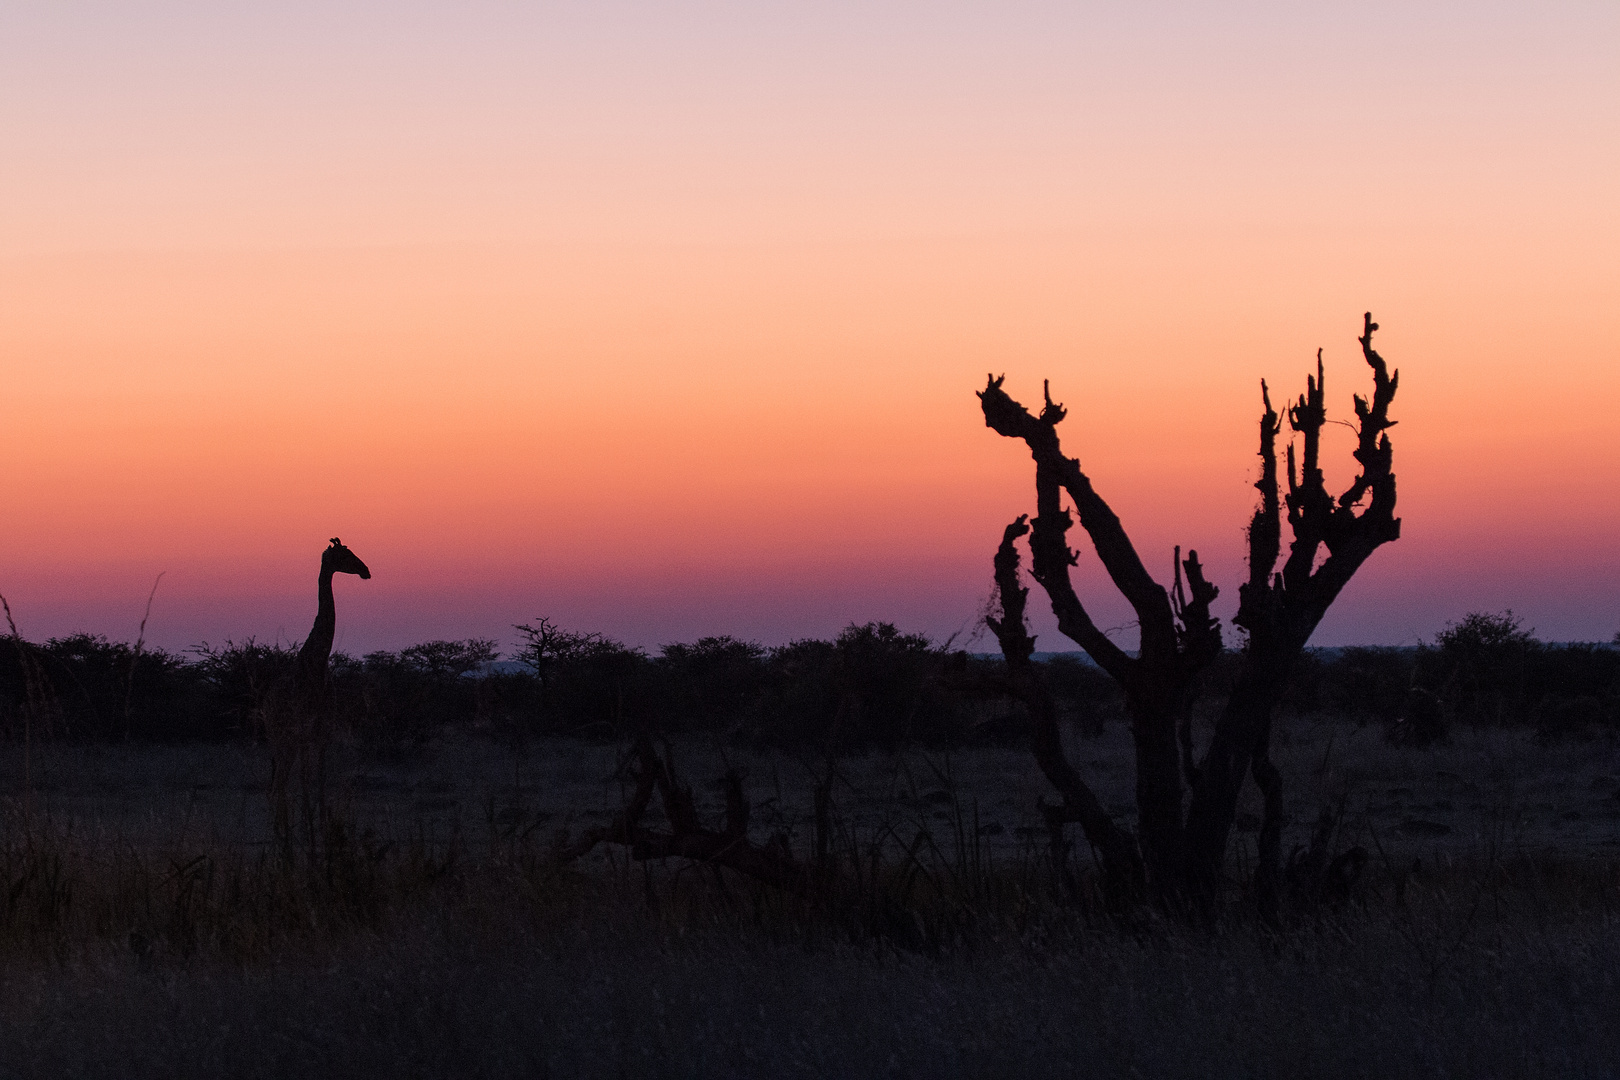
(135, 655)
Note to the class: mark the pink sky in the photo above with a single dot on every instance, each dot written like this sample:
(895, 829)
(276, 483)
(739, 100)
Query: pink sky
(667, 323)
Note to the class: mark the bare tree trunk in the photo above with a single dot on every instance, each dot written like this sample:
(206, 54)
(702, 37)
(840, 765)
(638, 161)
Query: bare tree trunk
(1242, 736)
(1178, 639)
(1182, 850)
(1267, 883)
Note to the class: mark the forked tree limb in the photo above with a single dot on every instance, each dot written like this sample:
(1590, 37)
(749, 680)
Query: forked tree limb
(1164, 643)
(1198, 633)
(1116, 847)
(1114, 548)
(1280, 611)
(1289, 606)
(1373, 451)
(1178, 635)
(1049, 549)
(1199, 637)
(1283, 609)
(1310, 507)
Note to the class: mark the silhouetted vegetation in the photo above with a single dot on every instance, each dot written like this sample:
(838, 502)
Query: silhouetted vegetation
(873, 686)
(1489, 669)
(238, 678)
(90, 688)
(1186, 802)
(1485, 670)
(393, 700)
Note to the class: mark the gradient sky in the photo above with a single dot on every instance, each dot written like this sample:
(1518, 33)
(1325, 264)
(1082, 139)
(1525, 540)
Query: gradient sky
(665, 320)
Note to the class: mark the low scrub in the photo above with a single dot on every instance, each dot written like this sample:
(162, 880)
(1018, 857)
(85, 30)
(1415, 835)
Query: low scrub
(873, 686)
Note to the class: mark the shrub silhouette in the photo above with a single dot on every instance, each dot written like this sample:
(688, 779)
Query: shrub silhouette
(1483, 666)
(589, 684)
(713, 684)
(108, 691)
(871, 686)
(395, 700)
(1488, 669)
(238, 678)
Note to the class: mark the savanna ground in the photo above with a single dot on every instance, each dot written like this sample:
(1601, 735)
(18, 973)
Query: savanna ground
(150, 930)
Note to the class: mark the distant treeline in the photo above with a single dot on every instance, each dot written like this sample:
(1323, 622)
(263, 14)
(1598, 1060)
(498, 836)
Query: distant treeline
(871, 686)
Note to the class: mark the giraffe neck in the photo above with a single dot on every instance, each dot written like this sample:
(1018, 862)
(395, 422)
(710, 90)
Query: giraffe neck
(318, 646)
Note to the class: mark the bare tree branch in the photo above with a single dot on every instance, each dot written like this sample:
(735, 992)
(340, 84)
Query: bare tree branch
(688, 838)
(1281, 611)
(1116, 846)
(1265, 532)
(1146, 596)
(1178, 635)
(1049, 549)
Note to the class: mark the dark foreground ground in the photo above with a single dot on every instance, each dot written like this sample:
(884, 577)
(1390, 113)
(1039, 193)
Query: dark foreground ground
(147, 931)
(605, 994)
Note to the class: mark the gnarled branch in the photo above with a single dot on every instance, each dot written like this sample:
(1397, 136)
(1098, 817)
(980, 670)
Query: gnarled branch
(728, 846)
(1116, 846)
(1280, 611)
(1146, 596)
(1162, 640)
(1178, 635)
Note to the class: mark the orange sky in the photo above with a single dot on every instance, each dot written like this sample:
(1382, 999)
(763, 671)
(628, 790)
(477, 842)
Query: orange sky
(669, 324)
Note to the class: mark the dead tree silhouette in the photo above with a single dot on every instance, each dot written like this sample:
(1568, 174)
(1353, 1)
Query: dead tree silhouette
(1185, 807)
(298, 721)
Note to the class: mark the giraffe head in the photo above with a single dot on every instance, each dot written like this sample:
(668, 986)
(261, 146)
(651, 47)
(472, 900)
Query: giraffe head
(338, 559)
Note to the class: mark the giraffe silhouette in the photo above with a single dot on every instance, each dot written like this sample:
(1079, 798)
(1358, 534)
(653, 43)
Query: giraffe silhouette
(310, 675)
(298, 724)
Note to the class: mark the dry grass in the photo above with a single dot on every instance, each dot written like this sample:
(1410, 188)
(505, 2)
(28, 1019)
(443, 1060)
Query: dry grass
(590, 980)
(147, 929)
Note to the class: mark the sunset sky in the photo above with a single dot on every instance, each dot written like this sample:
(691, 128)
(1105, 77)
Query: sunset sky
(665, 320)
